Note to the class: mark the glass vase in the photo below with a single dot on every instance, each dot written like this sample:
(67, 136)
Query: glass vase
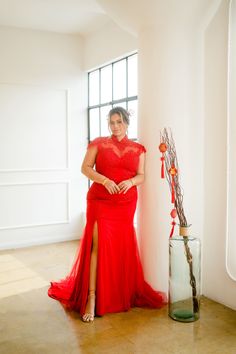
(184, 277)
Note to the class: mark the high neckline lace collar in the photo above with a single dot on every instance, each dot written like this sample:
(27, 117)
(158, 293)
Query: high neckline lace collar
(122, 141)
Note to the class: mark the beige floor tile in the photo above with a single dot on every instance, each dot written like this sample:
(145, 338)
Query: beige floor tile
(33, 323)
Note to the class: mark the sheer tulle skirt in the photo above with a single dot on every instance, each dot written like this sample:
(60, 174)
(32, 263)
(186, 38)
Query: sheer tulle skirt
(120, 280)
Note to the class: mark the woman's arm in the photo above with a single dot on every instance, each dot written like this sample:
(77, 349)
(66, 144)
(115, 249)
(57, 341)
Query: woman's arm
(140, 176)
(87, 169)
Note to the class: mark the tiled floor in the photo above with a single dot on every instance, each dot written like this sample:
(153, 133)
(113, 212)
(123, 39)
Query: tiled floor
(31, 322)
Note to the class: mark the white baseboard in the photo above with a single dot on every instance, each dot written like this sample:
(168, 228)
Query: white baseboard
(36, 242)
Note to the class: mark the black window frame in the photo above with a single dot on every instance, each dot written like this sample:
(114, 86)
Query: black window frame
(113, 102)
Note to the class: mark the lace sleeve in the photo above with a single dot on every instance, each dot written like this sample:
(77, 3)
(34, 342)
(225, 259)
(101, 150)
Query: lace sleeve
(141, 149)
(95, 142)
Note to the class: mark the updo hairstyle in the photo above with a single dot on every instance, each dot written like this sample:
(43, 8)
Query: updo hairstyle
(122, 112)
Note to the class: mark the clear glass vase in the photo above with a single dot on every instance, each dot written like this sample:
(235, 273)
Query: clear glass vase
(184, 278)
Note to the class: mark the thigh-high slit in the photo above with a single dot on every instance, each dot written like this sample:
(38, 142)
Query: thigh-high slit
(93, 260)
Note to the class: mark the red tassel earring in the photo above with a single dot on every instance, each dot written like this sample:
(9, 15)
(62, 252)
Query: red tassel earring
(162, 148)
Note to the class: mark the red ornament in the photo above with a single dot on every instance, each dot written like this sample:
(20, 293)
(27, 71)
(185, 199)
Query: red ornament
(162, 148)
(173, 214)
(173, 172)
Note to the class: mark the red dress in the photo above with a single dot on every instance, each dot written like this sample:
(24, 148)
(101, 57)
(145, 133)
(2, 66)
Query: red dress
(120, 281)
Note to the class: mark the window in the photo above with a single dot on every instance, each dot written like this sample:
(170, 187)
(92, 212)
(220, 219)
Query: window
(112, 85)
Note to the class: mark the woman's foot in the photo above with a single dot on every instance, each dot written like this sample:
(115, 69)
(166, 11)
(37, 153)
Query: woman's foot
(90, 307)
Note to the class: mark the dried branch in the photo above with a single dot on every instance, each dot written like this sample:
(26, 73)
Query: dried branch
(170, 160)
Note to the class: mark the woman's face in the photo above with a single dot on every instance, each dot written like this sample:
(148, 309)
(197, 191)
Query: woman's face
(117, 126)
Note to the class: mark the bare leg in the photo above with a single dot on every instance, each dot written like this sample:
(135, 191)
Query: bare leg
(90, 306)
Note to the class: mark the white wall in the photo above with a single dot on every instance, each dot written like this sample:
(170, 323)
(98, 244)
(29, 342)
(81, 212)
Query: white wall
(170, 95)
(43, 132)
(216, 282)
(43, 137)
(106, 45)
(231, 239)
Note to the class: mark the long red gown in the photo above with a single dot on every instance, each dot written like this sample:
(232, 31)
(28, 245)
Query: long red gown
(120, 280)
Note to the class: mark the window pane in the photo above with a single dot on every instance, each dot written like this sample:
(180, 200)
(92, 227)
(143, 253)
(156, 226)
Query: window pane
(104, 122)
(132, 75)
(106, 84)
(94, 88)
(120, 104)
(94, 123)
(133, 126)
(119, 80)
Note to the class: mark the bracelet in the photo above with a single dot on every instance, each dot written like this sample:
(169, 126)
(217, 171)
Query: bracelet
(131, 180)
(104, 181)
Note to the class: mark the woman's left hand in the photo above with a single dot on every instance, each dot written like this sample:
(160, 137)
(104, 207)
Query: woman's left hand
(125, 186)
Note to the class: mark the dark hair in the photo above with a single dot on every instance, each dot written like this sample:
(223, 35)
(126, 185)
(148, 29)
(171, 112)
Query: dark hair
(122, 112)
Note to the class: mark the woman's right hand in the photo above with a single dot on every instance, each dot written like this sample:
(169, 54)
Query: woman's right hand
(111, 186)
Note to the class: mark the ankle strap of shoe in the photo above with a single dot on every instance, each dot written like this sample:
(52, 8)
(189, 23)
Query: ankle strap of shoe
(91, 292)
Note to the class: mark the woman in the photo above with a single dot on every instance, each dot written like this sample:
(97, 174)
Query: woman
(107, 275)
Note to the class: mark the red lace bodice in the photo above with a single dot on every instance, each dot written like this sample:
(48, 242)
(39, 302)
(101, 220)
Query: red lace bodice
(117, 160)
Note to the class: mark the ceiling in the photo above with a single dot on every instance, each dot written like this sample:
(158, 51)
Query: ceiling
(87, 16)
(62, 16)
